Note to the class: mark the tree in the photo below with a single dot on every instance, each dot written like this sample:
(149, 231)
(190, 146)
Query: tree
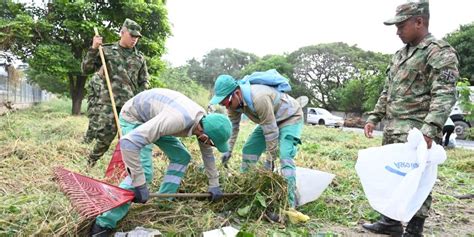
(278, 62)
(281, 64)
(219, 61)
(463, 41)
(175, 78)
(55, 39)
(322, 69)
(366, 87)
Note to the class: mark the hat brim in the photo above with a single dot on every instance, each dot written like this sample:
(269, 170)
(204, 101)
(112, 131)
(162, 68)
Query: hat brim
(396, 20)
(222, 146)
(135, 33)
(216, 99)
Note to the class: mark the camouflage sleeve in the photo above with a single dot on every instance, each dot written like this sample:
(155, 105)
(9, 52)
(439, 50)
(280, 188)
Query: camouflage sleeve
(234, 117)
(143, 77)
(91, 62)
(264, 108)
(380, 108)
(443, 76)
(93, 88)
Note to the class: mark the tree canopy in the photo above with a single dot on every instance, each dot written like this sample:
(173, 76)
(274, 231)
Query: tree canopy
(463, 41)
(216, 62)
(324, 68)
(54, 39)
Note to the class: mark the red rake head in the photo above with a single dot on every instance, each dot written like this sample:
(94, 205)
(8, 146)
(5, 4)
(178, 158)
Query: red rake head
(116, 170)
(90, 197)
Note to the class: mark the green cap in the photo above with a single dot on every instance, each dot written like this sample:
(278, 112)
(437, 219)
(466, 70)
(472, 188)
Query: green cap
(219, 129)
(407, 10)
(132, 27)
(225, 84)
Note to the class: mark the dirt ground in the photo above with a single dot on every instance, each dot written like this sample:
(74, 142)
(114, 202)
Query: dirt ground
(450, 223)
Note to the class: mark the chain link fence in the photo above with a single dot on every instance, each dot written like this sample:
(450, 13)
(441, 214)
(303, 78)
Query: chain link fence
(16, 92)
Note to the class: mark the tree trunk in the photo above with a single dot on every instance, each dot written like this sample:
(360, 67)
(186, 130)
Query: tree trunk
(76, 89)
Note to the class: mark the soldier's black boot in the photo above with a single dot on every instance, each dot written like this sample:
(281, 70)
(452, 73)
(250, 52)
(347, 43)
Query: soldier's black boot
(99, 231)
(414, 227)
(385, 226)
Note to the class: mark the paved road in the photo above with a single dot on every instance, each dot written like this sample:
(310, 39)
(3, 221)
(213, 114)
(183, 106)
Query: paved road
(460, 143)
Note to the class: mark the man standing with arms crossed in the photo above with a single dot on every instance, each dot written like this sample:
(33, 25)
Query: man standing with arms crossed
(419, 92)
(128, 74)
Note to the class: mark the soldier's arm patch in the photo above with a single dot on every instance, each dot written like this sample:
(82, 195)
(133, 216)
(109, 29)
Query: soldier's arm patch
(448, 75)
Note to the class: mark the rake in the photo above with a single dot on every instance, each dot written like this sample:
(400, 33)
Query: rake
(116, 170)
(91, 197)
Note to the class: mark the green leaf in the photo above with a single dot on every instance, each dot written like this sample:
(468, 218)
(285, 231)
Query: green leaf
(13, 209)
(245, 234)
(261, 200)
(243, 211)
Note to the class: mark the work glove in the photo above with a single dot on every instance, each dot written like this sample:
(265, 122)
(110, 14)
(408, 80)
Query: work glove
(269, 165)
(216, 193)
(141, 194)
(226, 157)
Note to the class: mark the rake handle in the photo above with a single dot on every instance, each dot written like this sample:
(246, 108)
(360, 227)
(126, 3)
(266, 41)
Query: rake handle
(190, 195)
(109, 86)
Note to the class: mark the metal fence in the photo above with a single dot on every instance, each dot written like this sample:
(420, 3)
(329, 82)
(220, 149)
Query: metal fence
(19, 91)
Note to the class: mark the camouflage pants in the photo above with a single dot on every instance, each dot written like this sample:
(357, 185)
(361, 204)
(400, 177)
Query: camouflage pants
(105, 132)
(93, 116)
(93, 87)
(402, 138)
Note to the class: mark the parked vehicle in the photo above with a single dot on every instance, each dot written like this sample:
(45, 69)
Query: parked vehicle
(461, 124)
(321, 116)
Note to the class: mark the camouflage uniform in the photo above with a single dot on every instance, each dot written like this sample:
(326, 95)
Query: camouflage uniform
(93, 88)
(128, 76)
(419, 92)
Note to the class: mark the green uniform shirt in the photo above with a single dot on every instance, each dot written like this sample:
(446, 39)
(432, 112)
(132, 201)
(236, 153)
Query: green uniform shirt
(127, 72)
(419, 90)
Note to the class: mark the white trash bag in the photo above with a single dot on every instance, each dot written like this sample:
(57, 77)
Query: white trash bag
(452, 141)
(310, 184)
(397, 178)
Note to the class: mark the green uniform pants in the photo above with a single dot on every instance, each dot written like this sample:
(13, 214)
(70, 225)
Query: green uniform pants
(93, 89)
(93, 116)
(105, 132)
(179, 160)
(289, 138)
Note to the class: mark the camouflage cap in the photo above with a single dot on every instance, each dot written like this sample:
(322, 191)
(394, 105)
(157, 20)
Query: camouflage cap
(132, 27)
(407, 10)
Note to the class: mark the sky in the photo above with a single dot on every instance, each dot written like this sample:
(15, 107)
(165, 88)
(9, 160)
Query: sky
(282, 26)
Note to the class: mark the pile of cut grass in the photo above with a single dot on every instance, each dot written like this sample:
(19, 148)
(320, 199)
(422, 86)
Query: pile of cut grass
(38, 139)
(34, 141)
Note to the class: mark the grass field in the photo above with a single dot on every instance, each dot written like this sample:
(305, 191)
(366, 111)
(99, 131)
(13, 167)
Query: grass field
(33, 141)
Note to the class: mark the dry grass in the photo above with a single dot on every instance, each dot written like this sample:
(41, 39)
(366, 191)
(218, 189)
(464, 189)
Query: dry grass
(35, 140)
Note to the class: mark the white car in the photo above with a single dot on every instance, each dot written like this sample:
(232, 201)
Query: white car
(321, 116)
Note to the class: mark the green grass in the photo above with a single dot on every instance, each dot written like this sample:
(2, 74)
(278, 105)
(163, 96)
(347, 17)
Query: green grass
(33, 141)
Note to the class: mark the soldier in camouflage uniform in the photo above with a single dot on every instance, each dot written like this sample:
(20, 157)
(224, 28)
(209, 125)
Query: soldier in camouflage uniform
(93, 89)
(128, 74)
(419, 92)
